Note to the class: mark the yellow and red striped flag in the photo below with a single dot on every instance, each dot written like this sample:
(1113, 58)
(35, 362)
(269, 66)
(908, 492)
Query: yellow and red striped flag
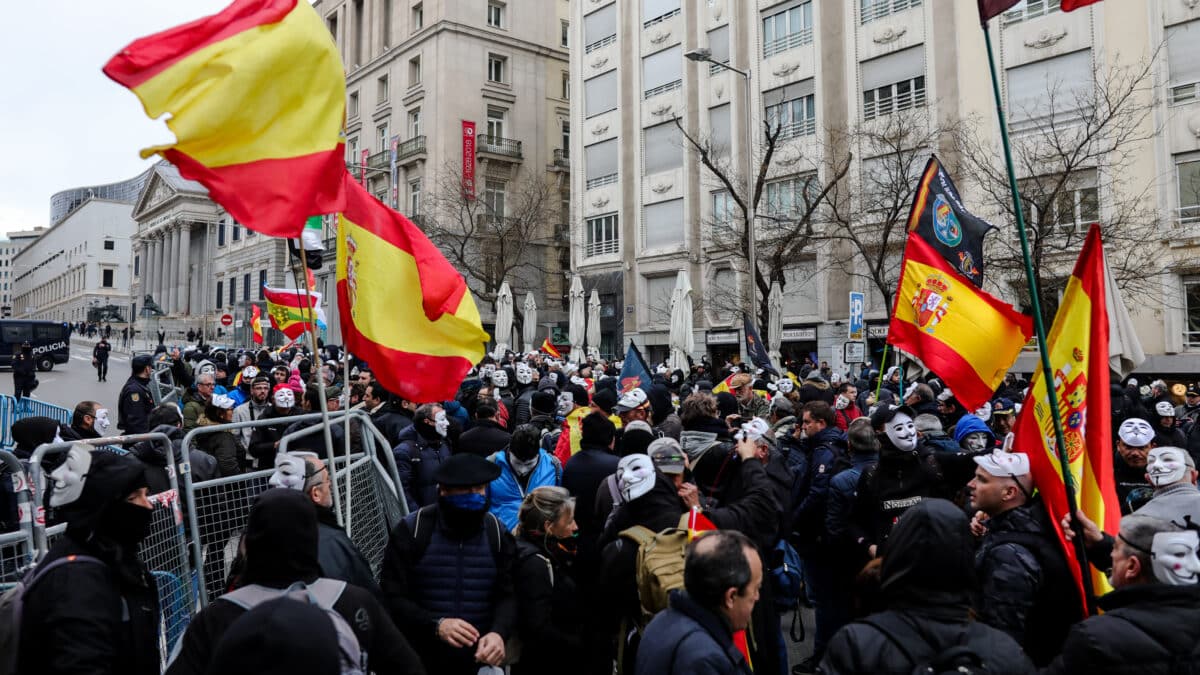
(404, 308)
(551, 349)
(292, 311)
(1072, 5)
(256, 324)
(257, 98)
(1078, 349)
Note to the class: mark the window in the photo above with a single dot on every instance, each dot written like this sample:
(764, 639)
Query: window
(221, 233)
(236, 233)
(1191, 300)
(352, 105)
(792, 110)
(718, 44)
(414, 123)
(1075, 206)
(602, 234)
(721, 134)
(791, 196)
(1057, 85)
(249, 233)
(877, 9)
(803, 289)
(1029, 9)
(600, 28)
(381, 86)
(359, 41)
(418, 17)
(246, 287)
(232, 291)
(657, 11)
(496, 67)
(662, 225)
(110, 245)
(16, 333)
(1183, 60)
(566, 138)
(495, 15)
(414, 197)
(381, 137)
(493, 197)
(663, 148)
(220, 293)
(414, 71)
(893, 82)
(565, 38)
(106, 278)
(659, 290)
(495, 122)
(663, 71)
(352, 150)
(262, 281)
(566, 86)
(724, 209)
(332, 22)
(1187, 181)
(137, 266)
(600, 163)
(787, 29)
(600, 93)
(387, 23)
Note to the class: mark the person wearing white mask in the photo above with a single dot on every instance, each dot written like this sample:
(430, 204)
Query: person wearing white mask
(89, 420)
(423, 446)
(1135, 440)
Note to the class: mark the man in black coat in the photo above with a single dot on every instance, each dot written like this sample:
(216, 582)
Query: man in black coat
(91, 606)
(587, 469)
(100, 359)
(24, 370)
(385, 412)
(486, 437)
(135, 402)
(264, 441)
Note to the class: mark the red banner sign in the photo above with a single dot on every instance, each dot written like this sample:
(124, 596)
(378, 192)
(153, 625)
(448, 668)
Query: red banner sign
(468, 159)
(363, 166)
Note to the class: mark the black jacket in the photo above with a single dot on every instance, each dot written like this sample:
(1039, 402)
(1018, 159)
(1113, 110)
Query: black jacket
(549, 614)
(582, 475)
(264, 439)
(24, 369)
(686, 639)
(390, 422)
(339, 557)
(134, 406)
(222, 446)
(154, 456)
(483, 439)
(1147, 629)
(899, 481)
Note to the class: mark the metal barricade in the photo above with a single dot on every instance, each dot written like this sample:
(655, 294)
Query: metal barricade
(16, 547)
(8, 412)
(32, 407)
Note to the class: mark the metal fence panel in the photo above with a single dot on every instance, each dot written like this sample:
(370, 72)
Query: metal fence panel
(222, 508)
(32, 407)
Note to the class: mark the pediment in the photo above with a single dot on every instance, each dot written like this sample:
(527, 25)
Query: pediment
(155, 193)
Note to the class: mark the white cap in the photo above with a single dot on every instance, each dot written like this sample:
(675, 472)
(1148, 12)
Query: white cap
(222, 401)
(631, 400)
(1004, 464)
(1164, 409)
(946, 395)
(1136, 432)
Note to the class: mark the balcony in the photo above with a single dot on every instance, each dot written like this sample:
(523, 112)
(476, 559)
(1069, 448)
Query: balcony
(602, 247)
(380, 160)
(498, 147)
(411, 147)
(562, 158)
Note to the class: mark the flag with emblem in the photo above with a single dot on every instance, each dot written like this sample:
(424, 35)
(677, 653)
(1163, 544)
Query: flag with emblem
(960, 332)
(1078, 348)
(939, 217)
(256, 323)
(755, 348)
(634, 371)
(292, 311)
(404, 308)
(256, 96)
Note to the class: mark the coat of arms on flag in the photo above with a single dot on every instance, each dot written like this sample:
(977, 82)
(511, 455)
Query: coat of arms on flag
(931, 302)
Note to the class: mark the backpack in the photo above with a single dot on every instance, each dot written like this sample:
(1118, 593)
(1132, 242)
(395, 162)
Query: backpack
(956, 659)
(659, 564)
(787, 581)
(12, 603)
(323, 593)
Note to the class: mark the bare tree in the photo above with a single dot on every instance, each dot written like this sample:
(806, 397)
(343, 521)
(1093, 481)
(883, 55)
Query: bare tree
(1074, 154)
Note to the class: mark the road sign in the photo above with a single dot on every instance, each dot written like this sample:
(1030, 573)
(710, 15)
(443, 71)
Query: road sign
(854, 352)
(226, 319)
(857, 307)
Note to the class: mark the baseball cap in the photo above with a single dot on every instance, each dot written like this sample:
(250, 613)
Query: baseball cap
(1193, 390)
(1136, 432)
(1003, 406)
(632, 400)
(666, 455)
(1004, 464)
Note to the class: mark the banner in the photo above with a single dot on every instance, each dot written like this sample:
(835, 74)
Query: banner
(634, 371)
(395, 179)
(940, 219)
(362, 165)
(468, 159)
(755, 348)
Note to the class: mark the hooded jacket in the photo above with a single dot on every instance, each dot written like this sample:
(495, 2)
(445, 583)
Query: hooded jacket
(897, 482)
(926, 578)
(418, 455)
(84, 617)
(281, 541)
(506, 492)
(816, 390)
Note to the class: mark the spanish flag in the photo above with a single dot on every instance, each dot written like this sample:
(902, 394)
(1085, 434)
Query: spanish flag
(256, 324)
(404, 308)
(1078, 350)
(292, 311)
(1072, 5)
(551, 349)
(964, 335)
(257, 98)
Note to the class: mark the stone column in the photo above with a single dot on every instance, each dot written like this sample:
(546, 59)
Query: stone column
(152, 286)
(185, 267)
(160, 263)
(169, 274)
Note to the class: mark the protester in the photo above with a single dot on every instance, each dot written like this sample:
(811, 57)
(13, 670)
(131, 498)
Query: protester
(524, 467)
(843, 557)
(88, 420)
(422, 450)
(165, 419)
(196, 401)
(264, 440)
(663, 416)
(845, 410)
(1166, 429)
(1135, 438)
(486, 436)
(587, 469)
(223, 445)
(749, 404)
(279, 637)
(255, 407)
(135, 402)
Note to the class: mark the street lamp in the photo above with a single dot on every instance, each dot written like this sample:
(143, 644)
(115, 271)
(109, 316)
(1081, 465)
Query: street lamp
(704, 55)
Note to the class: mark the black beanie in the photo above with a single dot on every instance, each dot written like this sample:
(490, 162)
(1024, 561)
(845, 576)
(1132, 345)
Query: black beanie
(597, 430)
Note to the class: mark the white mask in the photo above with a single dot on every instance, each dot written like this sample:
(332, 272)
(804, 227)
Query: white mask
(500, 379)
(285, 398)
(902, 432)
(1174, 557)
(486, 370)
(441, 423)
(522, 467)
(976, 441)
(70, 476)
(841, 402)
(102, 422)
(786, 385)
(524, 374)
(1165, 466)
(289, 472)
(635, 475)
(566, 403)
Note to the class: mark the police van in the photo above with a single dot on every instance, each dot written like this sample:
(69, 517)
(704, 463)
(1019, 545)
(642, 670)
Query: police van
(50, 340)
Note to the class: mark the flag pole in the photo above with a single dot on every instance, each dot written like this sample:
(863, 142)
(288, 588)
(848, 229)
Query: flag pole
(882, 367)
(1040, 328)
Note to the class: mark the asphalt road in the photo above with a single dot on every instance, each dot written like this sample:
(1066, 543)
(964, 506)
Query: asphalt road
(75, 381)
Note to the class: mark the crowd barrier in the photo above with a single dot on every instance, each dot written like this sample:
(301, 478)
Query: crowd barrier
(12, 410)
(196, 528)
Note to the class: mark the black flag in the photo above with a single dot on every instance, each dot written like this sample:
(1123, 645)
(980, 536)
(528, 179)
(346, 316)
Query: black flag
(940, 219)
(755, 348)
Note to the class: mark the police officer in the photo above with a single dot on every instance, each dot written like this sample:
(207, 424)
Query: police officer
(23, 370)
(135, 403)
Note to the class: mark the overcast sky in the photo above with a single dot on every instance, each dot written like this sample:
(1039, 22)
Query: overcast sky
(63, 123)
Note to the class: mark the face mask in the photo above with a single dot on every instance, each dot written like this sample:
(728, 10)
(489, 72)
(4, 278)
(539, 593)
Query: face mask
(976, 441)
(441, 423)
(102, 423)
(284, 398)
(1174, 558)
(126, 523)
(1165, 466)
(289, 472)
(786, 385)
(70, 476)
(500, 379)
(522, 467)
(470, 501)
(635, 475)
(902, 433)
(566, 403)
(524, 374)
(841, 403)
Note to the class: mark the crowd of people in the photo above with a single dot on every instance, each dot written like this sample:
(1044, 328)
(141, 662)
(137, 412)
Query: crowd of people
(551, 519)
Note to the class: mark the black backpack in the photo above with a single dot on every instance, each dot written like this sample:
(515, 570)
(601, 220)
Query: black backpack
(957, 658)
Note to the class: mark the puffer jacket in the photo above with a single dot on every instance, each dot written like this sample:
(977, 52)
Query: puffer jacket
(810, 491)
(506, 493)
(1148, 629)
(418, 455)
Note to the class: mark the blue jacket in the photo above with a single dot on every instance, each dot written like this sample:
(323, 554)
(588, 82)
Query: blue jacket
(506, 492)
(843, 489)
(417, 460)
(811, 489)
(686, 639)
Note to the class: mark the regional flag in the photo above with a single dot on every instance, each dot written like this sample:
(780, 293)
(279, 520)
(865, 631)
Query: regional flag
(964, 335)
(1072, 5)
(404, 308)
(551, 349)
(256, 324)
(992, 8)
(292, 311)
(257, 99)
(634, 371)
(939, 217)
(754, 346)
(1078, 349)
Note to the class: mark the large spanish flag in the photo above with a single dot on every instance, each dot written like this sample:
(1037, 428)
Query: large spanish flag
(257, 98)
(256, 324)
(1078, 349)
(960, 332)
(292, 311)
(404, 308)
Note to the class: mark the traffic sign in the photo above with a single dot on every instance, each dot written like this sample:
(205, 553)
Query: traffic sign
(854, 352)
(857, 310)
(227, 320)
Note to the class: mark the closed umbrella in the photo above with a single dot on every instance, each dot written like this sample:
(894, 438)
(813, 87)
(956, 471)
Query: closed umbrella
(682, 340)
(775, 323)
(529, 329)
(593, 326)
(504, 319)
(577, 325)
